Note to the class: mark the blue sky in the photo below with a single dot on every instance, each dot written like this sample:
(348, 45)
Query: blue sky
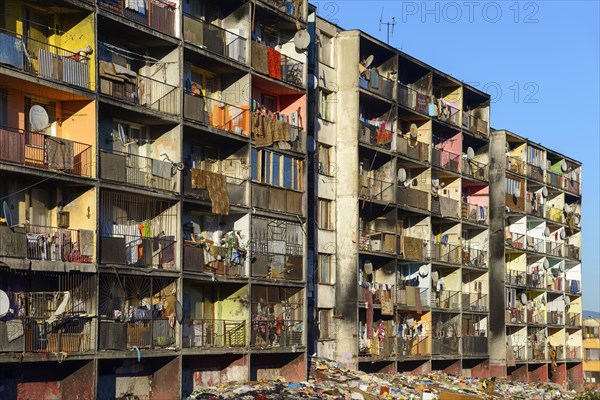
(538, 59)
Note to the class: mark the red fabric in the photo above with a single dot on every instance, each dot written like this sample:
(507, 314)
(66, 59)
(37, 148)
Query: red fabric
(274, 58)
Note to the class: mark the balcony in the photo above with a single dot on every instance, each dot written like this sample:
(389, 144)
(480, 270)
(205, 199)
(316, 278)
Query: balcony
(516, 241)
(556, 318)
(474, 213)
(554, 179)
(196, 258)
(414, 347)
(158, 252)
(475, 124)
(412, 248)
(474, 345)
(379, 349)
(536, 350)
(447, 113)
(475, 169)
(573, 252)
(377, 242)
(377, 84)
(573, 186)
(278, 66)
(573, 319)
(142, 332)
(535, 172)
(236, 190)
(574, 352)
(156, 14)
(446, 345)
(138, 90)
(520, 353)
(516, 278)
(412, 148)
(276, 332)
(45, 152)
(277, 199)
(215, 333)
(137, 170)
(515, 165)
(267, 131)
(44, 60)
(445, 160)
(412, 297)
(573, 286)
(474, 302)
(474, 258)
(288, 7)
(536, 245)
(555, 214)
(556, 249)
(446, 300)
(373, 189)
(374, 135)
(59, 244)
(516, 316)
(445, 206)
(412, 197)
(214, 38)
(217, 114)
(534, 208)
(445, 253)
(535, 281)
(412, 99)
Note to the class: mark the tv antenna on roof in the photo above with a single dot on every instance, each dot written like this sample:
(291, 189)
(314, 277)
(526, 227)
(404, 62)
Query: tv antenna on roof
(388, 25)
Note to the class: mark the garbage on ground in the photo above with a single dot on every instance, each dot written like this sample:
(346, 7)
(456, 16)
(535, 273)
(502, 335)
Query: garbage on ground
(330, 380)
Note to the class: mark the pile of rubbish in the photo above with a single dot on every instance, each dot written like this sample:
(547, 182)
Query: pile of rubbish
(330, 380)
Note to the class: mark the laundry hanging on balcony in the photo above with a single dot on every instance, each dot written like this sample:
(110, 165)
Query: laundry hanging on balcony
(216, 184)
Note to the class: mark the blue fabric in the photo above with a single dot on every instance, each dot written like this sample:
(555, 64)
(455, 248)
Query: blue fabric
(374, 80)
(11, 51)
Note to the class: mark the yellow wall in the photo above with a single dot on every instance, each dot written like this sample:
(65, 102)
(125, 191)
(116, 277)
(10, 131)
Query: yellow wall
(78, 33)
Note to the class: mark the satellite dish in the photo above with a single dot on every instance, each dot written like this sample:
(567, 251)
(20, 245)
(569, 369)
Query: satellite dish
(435, 181)
(470, 153)
(368, 267)
(523, 298)
(414, 130)
(563, 234)
(546, 264)
(410, 321)
(423, 271)
(547, 232)
(7, 214)
(313, 81)
(544, 192)
(38, 118)
(401, 175)
(302, 39)
(368, 61)
(567, 301)
(435, 277)
(577, 220)
(563, 167)
(178, 311)
(566, 208)
(4, 304)
(561, 267)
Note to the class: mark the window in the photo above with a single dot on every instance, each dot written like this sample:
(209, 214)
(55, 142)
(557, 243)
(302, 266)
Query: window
(513, 187)
(326, 272)
(326, 104)
(326, 47)
(534, 156)
(325, 214)
(325, 324)
(276, 169)
(324, 160)
(591, 332)
(592, 354)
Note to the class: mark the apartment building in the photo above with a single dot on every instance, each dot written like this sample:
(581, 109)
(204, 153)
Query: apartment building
(154, 169)
(537, 236)
(591, 351)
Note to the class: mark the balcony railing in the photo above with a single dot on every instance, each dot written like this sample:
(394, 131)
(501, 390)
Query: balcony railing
(266, 131)
(516, 278)
(475, 169)
(386, 348)
(474, 345)
(573, 186)
(156, 14)
(214, 38)
(217, 114)
(140, 333)
(292, 70)
(520, 352)
(573, 319)
(536, 244)
(474, 302)
(556, 317)
(516, 241)
(535, 172)
(377, 84)
(373, 189)
(445, 159)
(556, 249)
(140, 91)
(277, 65)
(216, 333)
(376, 241)
(71, 335)
(474, 258)
(46, 152)
(412, 248)
(412, 347)
(288, 7)
(450, 115)
(137, 170)
(268, 333)
(515, 165)
(573, 286)
(554, 179)
(555, 214)
(475, 124)
(277, 199)
(120, 249)
(229, 264)
(444, 252)
(412, 197)
(573, 252)
(535, 208)
(377, 136)
(412, 148)
(474, 213)
(574, 352)
(412, 99)
(44, 60)
(537, 281)
(236, 190)
(516, 316)
(445, 206)
(536, 350)
(59, 244)
(408, 296)
(446, 300)
(445, 345)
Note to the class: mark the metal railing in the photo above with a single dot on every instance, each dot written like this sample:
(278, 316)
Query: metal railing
(217, 114)
(556, 317)
(137, 170)
(555, 179)
(556, 249)
(574, 352)
(516, 241)
(474, 345)
(516, 316)
(381, 85)
(474, 213)
(156, 14)
(44, 60)
(157, 252)
(445, 346)
(292, 70)
(407, 296)
(216, 333)
(474, 258)
(515, 165)
(573, 286)
(515, 278)
(444, 252)
(520, 352)
(445, 159)
(376, 189)
(474, 302)
(475, 169)
(536, 244)
(377, 241)
(46, 152)
(573, 252)
(214, 38)
(236, 190)
(141, 333)
(417, 346)
(446, 299)
(534, 208)
(555, 214)
(536, 350)
(269, 333)
(452, 116)
(535, 172)
(412, 148)
(57, 244)
(412, 99)
(475, 124)
(277, 199)
(572, 186)
(288, 7)
(535, 281)
(412, 197)
(371, 134)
